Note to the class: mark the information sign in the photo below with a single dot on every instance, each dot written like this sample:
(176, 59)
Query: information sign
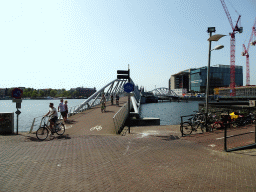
(128, 87)
(17, 93)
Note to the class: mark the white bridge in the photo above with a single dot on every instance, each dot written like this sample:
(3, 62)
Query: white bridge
(163, 93)
(115, 87)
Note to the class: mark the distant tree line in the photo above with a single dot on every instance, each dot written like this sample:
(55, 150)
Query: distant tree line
(41, 93)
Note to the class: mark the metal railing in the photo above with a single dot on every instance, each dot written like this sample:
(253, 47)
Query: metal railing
(115, 87)
(37, 121)
(120, 118)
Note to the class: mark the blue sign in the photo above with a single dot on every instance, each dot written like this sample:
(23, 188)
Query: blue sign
(17, 93)
(128, 87)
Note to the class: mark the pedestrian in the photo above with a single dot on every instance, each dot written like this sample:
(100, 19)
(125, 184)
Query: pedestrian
(66, 111)
(117, 99)
(61, 108)
(112, 99)
(103, 103)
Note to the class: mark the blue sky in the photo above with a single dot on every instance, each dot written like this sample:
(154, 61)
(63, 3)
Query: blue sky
(74, 43)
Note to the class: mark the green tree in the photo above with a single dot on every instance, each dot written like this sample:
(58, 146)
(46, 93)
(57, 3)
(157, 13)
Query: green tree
(53, 93)
(75, 94)
(34, 94)
(66, 94)
(41, 93)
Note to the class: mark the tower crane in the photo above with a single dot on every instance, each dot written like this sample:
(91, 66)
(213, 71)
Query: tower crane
(232, 47)
(254, 32)
(246, 53)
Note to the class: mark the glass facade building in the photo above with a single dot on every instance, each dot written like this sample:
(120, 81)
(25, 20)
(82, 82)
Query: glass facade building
(219, 77)
(195, 79)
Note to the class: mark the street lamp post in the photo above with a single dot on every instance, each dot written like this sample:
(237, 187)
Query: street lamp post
(212, 38)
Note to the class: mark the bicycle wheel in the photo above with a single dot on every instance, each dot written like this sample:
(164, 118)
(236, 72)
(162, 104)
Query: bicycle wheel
(203, 127)
(186, 129)
(60, 129)
(42, 133)
(216, 125)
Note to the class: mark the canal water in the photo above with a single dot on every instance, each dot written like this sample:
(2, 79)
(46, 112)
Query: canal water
(168, 112)
(31, 109)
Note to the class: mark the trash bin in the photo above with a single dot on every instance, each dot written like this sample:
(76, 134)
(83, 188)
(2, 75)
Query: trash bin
(6, 123)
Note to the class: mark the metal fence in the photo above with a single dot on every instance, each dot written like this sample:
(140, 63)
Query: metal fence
(37, 121)
(120, 118)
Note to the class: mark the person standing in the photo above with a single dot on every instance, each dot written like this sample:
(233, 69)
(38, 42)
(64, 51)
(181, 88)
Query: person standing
(66, 111)
(61, 108)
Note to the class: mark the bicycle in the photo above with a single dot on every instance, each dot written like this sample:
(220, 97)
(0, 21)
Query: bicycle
(103, 107)
(221, 124)
(43, 131)
(193, 123)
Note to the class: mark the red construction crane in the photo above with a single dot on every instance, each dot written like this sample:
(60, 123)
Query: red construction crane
(232, 48)
(254, 32)
(246, 53)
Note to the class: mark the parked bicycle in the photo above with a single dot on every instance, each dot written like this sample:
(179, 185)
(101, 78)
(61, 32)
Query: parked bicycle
(197, 121)
(43, 131)
(243, 120)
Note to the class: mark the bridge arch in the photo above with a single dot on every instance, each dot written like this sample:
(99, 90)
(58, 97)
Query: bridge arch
(113, 88)
(163, 92)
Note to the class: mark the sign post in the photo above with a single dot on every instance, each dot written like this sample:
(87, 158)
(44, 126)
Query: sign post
(16, 94)
(128, 87)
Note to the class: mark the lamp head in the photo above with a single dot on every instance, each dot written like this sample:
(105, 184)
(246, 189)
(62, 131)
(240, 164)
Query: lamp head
(218, 47)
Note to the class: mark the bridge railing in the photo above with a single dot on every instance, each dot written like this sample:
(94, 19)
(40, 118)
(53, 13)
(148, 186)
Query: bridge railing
(113, 88)
(162, 91)
(120, 118)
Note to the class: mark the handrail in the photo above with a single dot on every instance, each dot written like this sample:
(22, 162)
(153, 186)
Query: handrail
(120, 117)
(36, 123)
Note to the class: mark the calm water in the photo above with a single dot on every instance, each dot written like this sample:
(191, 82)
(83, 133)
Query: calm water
(169, 113)
(31, 109)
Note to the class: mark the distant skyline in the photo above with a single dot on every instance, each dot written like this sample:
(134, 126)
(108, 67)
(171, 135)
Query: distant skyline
(74, 43)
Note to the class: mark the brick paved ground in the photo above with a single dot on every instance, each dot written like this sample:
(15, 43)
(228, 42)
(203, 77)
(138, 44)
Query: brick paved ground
(152, 158)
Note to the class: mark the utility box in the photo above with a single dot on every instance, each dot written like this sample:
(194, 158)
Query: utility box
(6, 123)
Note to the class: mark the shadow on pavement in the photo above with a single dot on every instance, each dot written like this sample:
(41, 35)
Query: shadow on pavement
(109, 111)
(59, 137)
(71, 122)
(169, 138)
(246, 151)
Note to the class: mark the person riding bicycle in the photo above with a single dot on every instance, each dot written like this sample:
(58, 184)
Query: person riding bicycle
(53, 115)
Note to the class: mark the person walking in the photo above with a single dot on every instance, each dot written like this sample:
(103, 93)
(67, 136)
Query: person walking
(61, 108)
(117, 100)
(66, 111)
(103, 103)
(112, 99)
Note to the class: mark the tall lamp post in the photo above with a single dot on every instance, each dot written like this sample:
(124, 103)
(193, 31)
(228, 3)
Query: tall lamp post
(212, 38)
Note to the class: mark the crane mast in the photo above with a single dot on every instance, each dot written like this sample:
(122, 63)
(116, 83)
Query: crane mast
(232, 47)
(246, 54)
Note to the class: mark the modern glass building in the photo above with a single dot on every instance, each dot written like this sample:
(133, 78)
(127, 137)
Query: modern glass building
(196, 79)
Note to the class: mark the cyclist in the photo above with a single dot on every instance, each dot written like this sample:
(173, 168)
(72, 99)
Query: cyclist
(53, 114)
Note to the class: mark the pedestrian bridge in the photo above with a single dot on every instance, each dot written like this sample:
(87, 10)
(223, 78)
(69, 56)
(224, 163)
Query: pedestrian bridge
(163, 93)
(114, 88)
